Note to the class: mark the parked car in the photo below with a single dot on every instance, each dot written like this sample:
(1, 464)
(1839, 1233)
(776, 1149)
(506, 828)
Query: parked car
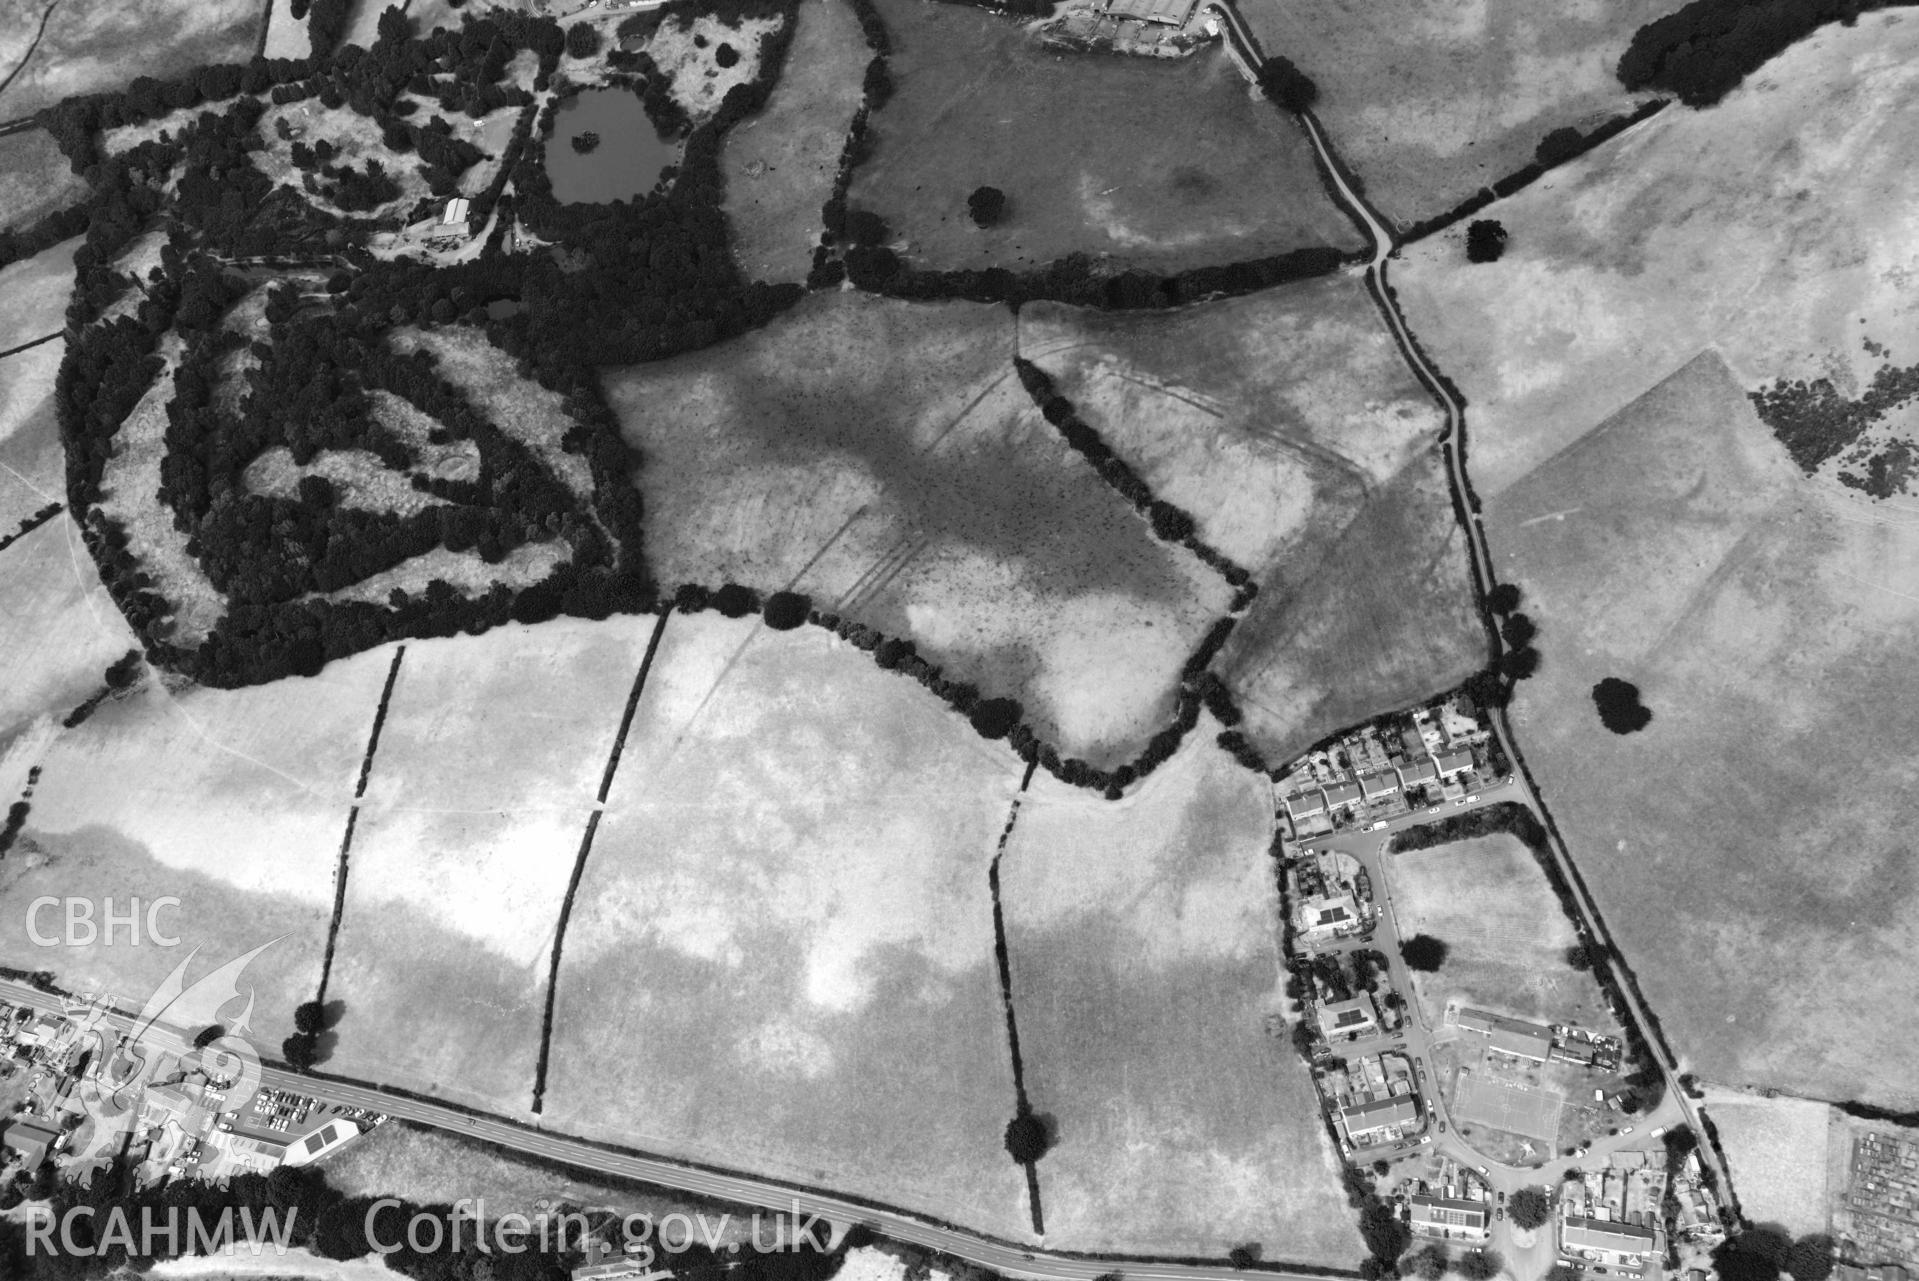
(1483, 1170)
(1471, 799)
(1499, 1213)
(1502, 1198)
(1659, 1132)
(1626, 1130)
(1374, 827)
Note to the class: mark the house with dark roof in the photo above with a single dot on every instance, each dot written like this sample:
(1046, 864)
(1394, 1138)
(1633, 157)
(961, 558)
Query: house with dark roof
(30, 1138)
(1365, 1120)
(1509, 1036)
(1340, 1018)
(1453, 762)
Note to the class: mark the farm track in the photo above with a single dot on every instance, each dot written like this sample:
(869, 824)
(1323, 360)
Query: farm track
(585, 850)
(1380, 233)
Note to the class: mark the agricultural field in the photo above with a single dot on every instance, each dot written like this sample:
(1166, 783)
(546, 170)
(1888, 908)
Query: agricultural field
(1777, 1149)
(1289, 425)
(1488, 900)
(287, 36)
(785, 922)
(240, 1263)
(232, 801)
(1162, 165)
(1431, 100)
(35, 179)
(58, 633)
(883, 457)
(32, 465)
(36, 290)
(780, 163)
(444, 992)
(1641, 504)
(91, 48)
(1137, 931)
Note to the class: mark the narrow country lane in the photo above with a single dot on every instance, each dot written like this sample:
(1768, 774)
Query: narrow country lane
(1385, 247)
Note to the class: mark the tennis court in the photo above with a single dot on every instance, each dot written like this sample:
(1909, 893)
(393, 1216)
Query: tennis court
(1502, 1105)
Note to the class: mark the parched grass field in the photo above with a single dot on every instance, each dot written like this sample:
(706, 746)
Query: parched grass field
(1158, 164)
(883, 457)
(781, 954)
(1430, 100)
(1143, 938)
(90, 48)
(36, 290)
(233, 801)
(1490, 902)
(686, 50)
(488, 765)
(1289, 425)
(33, 469)
(780, 164)
(1749, 847)
(35, 179)
(1777, 1149)
(58, 632)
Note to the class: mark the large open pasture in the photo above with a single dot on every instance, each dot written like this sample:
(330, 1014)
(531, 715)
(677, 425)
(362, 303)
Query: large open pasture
(35, 179)
(780, 163)
(883, 457)
(1143, 938)
(234, 801)
(58, 632)
(489, 762)
(36, 290)
(1161, 164)
(1289, 425)
(781, 954)
(33, 468)
(93, 48)
(1489, 901)
(1430, 100)
(1748, 847)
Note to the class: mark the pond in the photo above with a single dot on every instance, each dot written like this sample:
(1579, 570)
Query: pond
(626, 163)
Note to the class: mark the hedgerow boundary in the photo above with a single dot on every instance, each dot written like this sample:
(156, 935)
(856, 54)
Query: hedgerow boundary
(579, 860)
(1003, 961)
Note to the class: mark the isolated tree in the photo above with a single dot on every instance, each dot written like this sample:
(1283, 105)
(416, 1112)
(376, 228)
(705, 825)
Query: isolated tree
(1430, 1264)
(1287, 85)
(735, 601)
(1480, 1265)
(1485, 240)
(582, 40)
(1559, 146)
(986, 206)
(1503, 598)
(1519, 630)
(726, 55)
(785, 611)
(1530, 1207)
(865, 228)
(586, 141)
(1519, 664)
(1026, 1138)
(1423, 952)
(309, 1017)
(1245, 1254)
(1581, 956)
(996, 717)
(1485, 689)
(394, 26)
(1619, 707)
(301, 1051)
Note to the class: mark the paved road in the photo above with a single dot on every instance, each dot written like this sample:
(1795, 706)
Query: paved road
(1010, 1258)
